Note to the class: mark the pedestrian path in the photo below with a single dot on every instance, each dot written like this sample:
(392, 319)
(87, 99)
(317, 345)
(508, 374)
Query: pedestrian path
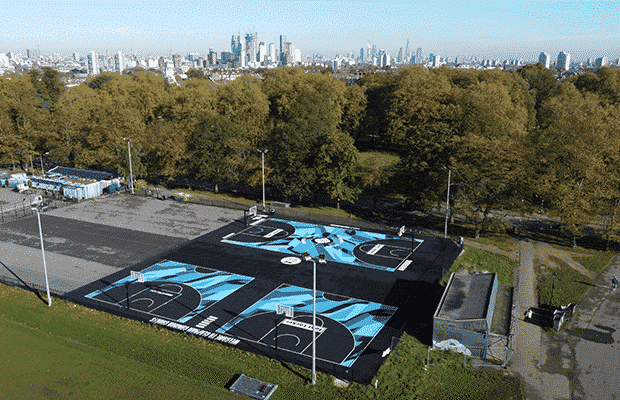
(529, 352)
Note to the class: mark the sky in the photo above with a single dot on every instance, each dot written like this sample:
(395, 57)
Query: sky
(488, 29)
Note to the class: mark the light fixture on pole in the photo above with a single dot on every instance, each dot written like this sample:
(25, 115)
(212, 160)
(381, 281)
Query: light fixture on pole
(41, 156)
(47, 284)
(445, 231)
(321, 261)
(130, 169)
(263, 152)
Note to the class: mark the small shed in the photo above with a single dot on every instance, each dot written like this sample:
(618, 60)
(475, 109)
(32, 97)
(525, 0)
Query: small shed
(463, 317)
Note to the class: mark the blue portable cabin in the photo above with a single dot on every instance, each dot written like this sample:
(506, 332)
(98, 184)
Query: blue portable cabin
(17, 179)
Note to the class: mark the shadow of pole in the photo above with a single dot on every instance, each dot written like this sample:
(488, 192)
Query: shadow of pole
(28, 287)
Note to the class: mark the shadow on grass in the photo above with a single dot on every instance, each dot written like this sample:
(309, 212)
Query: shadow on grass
(25, 285)
(588, 283)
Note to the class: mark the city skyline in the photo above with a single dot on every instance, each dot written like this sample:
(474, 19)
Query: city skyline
(519, 29)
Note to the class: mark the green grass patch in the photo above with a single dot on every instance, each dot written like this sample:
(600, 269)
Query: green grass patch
(326, 211)
(570, 285)
(475, 260)
(503, 242)
(38, 364)
(69, 351)
(377, 159)
(448, 375)
(596, 263)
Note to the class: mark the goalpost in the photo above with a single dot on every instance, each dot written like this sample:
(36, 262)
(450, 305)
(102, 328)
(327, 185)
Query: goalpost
(252, 212)
(137, 276)
(288, 311)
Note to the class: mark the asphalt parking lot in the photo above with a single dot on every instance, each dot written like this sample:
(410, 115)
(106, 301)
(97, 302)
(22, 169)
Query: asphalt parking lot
(91, 239)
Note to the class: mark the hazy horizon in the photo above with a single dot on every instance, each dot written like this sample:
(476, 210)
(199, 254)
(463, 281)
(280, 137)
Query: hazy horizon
(486, 29)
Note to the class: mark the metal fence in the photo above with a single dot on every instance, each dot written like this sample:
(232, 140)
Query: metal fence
(35, 281)
(12, 211)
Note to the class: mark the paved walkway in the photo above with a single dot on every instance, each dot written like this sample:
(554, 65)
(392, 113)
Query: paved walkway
(530, 354)
(582, 361)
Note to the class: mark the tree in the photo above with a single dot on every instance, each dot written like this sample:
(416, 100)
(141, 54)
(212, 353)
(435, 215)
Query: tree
(353, 111)
(605, 82)
(373, 130)
(335, 164)
(217, 150)
(573, 153)
(195, 74)
(423, 119)
(70, 123)
(292, 160)
(542, 86)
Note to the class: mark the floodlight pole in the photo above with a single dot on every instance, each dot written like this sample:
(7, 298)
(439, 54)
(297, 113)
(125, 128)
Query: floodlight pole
(47, 284)
(262, 153)
(445, 231)
(322, 261)
(130, 169)
(42, 169)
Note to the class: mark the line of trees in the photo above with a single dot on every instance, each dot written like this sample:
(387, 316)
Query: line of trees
(515, 141)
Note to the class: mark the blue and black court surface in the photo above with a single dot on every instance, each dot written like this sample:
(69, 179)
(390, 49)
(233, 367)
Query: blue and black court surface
(232, 284)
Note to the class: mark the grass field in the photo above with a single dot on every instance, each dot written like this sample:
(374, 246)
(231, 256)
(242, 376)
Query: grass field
(69, 351)
(570, 285)
(479, 260)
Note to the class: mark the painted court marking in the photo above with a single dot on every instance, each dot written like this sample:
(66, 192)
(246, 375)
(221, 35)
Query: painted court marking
(375, 249)
(273, 233)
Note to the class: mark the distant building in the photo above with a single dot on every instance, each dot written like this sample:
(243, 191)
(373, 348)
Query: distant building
(601, 62)
(235, 48)
(282, 60)
(263, 57)
(418, 55)
(92, 64)
(544, 59)
(272, 53)
(251, 47)
(563, 61)
(212, 57)
(118, 62)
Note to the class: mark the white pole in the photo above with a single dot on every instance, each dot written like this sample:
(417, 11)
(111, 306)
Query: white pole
(47, 284)
(313, 322)
(130, 168)
(445, 232)
(262, 152)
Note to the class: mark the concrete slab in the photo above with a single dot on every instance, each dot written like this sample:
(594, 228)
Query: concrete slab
(65, 273)
(146, 214)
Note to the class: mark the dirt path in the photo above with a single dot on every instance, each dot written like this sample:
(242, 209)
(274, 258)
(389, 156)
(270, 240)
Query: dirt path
(542, 251)
(513, 255)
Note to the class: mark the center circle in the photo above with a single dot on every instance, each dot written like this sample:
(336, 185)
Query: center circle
(322, 240)
(290, 260)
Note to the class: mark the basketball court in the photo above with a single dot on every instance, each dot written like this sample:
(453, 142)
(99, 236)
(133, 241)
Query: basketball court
(337, 243)
(249, 285)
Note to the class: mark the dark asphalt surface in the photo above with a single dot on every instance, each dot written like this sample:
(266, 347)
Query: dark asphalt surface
(114, 246)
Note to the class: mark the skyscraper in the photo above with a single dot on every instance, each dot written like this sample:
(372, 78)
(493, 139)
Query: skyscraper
(544, 59)
(601, 62)
(563, 61)
(272, 52)
(282, 50)
(262, 53)
(92, 66)
(399, 59)
(119, 65)
(406, 55)
(418, 55)
(235, 48)
(251, 47)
